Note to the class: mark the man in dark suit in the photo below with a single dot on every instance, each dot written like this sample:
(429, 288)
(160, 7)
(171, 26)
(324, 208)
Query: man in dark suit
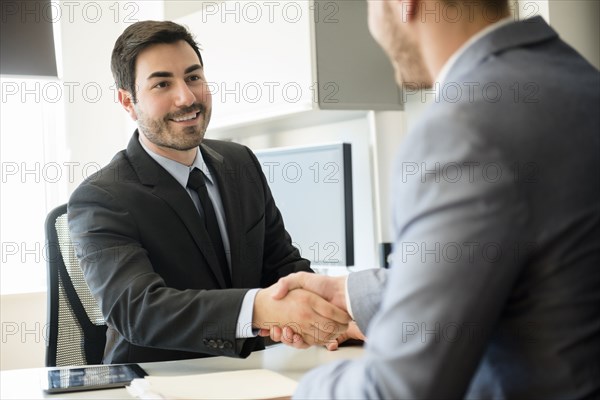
(176, 234)
(494, 289)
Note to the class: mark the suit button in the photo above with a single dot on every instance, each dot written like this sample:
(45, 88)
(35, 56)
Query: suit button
(205, 341)
(220, 343)
(228, 345)
(212, 343)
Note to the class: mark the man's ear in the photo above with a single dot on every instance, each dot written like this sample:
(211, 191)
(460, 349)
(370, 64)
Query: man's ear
(409, 9)
(126, 100)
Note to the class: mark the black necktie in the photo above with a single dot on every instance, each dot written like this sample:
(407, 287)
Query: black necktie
(196, 182)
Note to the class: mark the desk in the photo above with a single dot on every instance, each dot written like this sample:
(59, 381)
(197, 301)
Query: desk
(25, 383)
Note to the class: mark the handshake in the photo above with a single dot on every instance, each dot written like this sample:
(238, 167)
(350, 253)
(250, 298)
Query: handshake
(304, 309)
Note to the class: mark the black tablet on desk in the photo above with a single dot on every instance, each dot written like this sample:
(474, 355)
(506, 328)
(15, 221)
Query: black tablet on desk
(95, 377)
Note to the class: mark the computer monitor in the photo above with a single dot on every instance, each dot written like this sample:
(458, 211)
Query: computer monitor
(312, 187)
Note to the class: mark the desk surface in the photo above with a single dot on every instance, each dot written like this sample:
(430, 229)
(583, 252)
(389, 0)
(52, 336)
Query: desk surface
(25, 383)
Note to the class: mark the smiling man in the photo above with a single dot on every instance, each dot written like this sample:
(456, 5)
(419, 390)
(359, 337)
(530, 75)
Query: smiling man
(181, 232)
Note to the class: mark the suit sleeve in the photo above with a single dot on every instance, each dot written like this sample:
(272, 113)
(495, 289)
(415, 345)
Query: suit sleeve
(365, 290)
(458, 217)
(133, 297)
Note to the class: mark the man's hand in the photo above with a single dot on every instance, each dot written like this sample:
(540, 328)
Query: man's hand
(353, 332)
(287, 336)
(312, 319)
(332, 289)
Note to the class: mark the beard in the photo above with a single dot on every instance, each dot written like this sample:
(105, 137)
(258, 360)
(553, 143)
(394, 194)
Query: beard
(408, 63)
(401, 49)
(162, 133)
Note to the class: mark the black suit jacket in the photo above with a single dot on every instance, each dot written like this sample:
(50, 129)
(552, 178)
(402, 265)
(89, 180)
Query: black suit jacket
(152, 270)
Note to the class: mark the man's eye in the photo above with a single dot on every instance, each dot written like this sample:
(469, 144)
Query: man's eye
(161, 85)
(194, 78)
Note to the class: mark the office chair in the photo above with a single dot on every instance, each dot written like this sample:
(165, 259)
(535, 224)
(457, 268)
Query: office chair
(76, 331)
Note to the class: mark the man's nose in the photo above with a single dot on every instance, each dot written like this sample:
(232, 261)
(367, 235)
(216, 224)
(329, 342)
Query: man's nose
(184, 97)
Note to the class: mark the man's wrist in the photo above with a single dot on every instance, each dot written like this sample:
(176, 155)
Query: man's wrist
(258, 309)
(245, 327)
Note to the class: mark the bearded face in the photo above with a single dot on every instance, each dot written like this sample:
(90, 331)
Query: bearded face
(174, 103)
(161, 131)
(398, 44)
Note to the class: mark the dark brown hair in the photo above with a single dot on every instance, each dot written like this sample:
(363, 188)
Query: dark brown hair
(136, 38)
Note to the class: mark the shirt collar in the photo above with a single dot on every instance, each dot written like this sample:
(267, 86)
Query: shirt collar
(443, 74)
(177, 170)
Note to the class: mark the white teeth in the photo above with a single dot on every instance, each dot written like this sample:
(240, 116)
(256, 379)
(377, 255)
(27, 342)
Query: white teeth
(185, 118)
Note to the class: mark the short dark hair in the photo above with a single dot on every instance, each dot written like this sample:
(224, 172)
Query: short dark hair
(136, 38)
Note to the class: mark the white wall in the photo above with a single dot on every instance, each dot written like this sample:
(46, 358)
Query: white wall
(96, 126)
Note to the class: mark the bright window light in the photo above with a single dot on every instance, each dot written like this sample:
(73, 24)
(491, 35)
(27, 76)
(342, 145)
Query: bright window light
(32, 178)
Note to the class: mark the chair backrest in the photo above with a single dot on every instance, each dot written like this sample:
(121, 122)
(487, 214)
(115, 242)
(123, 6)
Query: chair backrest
(76, 332)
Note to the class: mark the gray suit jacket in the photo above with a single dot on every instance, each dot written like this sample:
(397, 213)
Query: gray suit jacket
(494, 290)
(153, 270)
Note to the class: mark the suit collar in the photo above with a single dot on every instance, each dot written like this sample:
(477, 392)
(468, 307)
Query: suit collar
(443, 74)
(207, 156)
(148, 170)
(180, 171)
(512, 35)
(209, 152)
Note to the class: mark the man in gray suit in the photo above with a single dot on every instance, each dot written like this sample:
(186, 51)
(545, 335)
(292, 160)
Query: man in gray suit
(494, 288)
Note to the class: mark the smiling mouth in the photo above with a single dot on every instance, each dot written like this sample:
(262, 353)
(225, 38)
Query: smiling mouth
(186, 117)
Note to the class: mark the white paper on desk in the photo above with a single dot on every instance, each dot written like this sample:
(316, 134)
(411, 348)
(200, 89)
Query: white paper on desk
(234, 385)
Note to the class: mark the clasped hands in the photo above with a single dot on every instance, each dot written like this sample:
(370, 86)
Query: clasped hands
(304, 309)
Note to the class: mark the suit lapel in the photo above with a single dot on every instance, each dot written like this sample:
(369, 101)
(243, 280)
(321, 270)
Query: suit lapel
(228, 188)
(169, 190)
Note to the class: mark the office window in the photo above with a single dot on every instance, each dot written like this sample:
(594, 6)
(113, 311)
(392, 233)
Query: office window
(33, 180)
